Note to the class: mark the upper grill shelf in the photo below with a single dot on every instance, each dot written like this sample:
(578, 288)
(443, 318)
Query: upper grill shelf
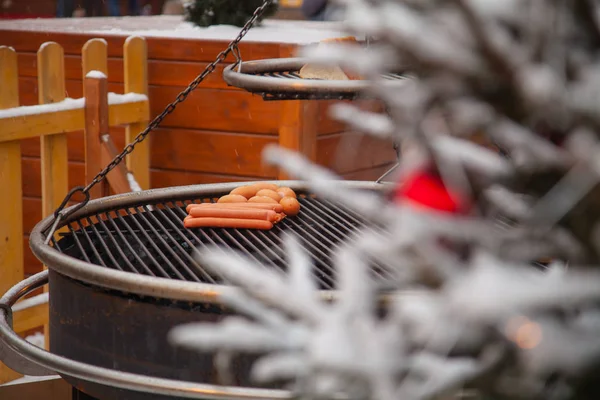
(278, 79)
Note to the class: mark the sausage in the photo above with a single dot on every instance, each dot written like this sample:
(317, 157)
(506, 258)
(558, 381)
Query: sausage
(232, 198)
(246, 191)
(262, 199)
(269, 193)
(286, 192)
(237, 223)
(261, 206)
(267, 215)
(290, 205)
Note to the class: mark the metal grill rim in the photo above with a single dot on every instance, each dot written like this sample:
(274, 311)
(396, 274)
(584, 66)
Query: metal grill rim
(124, 276)
(278, 79)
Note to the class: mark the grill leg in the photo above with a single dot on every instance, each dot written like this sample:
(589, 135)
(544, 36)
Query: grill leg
(389, 171)
(398, 150)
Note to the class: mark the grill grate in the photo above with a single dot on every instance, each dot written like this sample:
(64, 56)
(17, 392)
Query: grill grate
(154, 242)
(295, 75)
(315, 95)
(279, 79)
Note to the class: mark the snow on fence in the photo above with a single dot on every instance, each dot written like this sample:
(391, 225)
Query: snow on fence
(50, 121)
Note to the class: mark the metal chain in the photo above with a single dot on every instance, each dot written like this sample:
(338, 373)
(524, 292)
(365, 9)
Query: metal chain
(232, 47)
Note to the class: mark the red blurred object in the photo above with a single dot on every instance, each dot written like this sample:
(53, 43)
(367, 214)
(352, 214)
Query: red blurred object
(426, 189)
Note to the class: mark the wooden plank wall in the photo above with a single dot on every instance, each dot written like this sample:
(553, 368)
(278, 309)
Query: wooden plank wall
(215, 136)
(352, 155)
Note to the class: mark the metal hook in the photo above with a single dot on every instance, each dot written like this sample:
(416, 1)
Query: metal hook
(235, 50)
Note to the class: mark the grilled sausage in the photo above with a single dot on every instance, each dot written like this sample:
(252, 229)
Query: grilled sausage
(256, 206)
(237, 223)
(286, 192)
(247, 191)
(232, 198)
(290, 205)
(215, 212)
(269, 193)
(262, 199)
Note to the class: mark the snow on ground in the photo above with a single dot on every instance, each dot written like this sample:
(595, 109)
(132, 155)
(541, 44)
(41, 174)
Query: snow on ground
(168, 26)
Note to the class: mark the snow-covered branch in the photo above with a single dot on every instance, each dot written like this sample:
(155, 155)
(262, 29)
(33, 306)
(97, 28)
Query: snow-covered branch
(501, 117)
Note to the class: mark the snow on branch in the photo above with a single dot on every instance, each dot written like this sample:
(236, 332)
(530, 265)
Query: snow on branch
(497, 289)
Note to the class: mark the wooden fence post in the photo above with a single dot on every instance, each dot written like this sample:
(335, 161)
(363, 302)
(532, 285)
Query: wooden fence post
(11, 201)
(136, 80)
(95, 58)
(54, 155)
(96, 125)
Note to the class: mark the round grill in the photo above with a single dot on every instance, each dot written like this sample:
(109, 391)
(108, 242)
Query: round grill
(122, 274)
(278, 79)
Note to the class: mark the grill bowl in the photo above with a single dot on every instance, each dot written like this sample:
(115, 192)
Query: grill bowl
(117, 318)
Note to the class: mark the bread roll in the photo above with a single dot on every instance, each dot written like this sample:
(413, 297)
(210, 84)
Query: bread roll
(335, 73)
(311, 71)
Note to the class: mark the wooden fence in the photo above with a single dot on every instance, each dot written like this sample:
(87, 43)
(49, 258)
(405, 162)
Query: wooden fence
(50, 121)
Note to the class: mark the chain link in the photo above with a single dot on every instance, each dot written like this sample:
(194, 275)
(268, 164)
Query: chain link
(232, 47)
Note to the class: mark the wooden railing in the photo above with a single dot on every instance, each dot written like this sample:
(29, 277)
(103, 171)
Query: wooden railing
(50, 121)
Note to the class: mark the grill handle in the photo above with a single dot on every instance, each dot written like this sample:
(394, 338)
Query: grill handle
(8, 355)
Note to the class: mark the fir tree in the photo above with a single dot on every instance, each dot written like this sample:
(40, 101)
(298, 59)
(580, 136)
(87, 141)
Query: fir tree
(224, 12)
(465, 222)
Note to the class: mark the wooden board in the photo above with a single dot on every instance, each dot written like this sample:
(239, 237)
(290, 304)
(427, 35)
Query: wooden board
(31, 147)
(62, 121)
(219, 110)
(187, 150)
(327, 125)
(202, 151)
(158, 48)
(160, 72)
(348, 152)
